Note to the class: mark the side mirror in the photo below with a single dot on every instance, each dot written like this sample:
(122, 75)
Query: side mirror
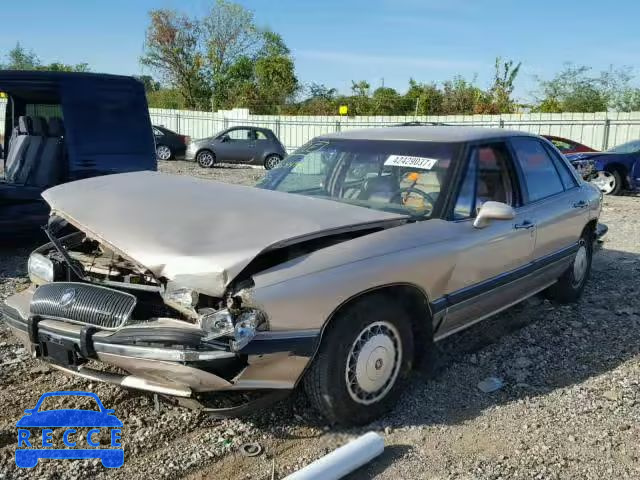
(225, 138)
(493, 211)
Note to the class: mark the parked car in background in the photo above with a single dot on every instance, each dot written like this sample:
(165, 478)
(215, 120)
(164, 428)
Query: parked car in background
(612, 171)
(62, 126)
(169, 144)
(357, 253)
(568, 146)
(250, 145)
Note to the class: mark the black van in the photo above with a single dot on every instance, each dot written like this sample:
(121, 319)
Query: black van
(60, 127)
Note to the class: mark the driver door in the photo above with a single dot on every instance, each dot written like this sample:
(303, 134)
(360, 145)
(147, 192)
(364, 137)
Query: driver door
(492, 260)
(236, 145)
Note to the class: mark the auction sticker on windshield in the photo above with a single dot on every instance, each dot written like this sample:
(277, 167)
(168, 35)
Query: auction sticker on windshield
(423, 163)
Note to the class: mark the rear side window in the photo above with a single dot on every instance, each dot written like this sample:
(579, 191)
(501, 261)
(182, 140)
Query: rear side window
(260, 135)
(540, 175)
(568, 180)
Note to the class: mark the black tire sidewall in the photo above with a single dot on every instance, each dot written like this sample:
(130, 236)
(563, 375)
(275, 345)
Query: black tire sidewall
(339, 340)
(618, 188)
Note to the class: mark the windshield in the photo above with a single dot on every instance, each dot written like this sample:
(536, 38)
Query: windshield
(394, 176)
(629, 147)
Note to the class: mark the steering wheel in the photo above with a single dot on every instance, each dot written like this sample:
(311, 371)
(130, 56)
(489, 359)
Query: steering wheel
(424, 195)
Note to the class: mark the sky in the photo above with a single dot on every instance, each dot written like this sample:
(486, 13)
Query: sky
(336, 41)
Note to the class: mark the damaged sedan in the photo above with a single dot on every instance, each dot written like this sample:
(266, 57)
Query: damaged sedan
(355, 255)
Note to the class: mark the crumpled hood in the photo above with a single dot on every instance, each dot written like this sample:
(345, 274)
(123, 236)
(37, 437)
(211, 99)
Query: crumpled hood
(199, 233)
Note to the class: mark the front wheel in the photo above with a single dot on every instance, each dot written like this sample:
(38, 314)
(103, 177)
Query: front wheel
(365, 356)
(206, 159)
(570, 285)
(609, 183)
(272, 161)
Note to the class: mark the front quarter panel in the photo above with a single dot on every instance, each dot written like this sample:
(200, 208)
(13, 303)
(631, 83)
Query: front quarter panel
(304, 292)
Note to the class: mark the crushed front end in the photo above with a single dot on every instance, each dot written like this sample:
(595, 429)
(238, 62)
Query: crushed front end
(89, 303)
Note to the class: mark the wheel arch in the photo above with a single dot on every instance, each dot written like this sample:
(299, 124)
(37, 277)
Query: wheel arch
(411, 297)
(619, 167)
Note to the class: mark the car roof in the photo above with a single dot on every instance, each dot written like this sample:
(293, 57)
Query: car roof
(427, 134)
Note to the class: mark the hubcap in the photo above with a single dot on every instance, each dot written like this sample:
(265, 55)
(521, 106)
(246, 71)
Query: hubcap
(163, 152)
(205, 159)
(373, 363)
(605, 181)
(272, 162)
(580, 264)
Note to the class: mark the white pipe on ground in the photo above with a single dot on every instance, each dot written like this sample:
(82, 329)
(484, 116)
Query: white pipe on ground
(344, 460)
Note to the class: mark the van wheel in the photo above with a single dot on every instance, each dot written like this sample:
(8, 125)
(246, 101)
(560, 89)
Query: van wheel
(570, 285)
(363, 362)
(206, 159)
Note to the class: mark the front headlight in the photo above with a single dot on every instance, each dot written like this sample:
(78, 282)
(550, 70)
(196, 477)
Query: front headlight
(242, 329)
(40, 269)
(181, 298)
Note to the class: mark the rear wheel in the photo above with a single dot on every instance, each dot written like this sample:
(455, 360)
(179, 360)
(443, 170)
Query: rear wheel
(272, 161)
(364, 358)
(163, 152)
(570, 285)
(206, 159)
(609, 182)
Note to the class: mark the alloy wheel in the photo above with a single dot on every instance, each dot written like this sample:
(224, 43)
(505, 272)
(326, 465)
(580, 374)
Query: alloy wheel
(163, 152)
(605, 181)
(206, 159)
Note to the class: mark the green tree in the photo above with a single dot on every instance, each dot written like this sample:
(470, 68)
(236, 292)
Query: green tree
(19, 58)
(505, 75)
(172, 49)
(386, 101)
(573, 89)
(424, 98)
(150, 85)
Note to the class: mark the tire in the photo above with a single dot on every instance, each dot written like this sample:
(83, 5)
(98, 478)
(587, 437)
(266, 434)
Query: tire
(371, 335)
(570, 285)
(272, 161)
(163, 152)
(609, 182)
(206, 158)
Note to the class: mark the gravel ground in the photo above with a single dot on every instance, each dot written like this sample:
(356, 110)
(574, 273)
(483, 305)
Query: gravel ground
(569, 408)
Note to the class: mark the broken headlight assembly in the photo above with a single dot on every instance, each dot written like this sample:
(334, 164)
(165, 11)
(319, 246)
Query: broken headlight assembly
(241, 328)
(40, 269)
(181, 298)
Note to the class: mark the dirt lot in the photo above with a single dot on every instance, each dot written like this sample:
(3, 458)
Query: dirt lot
(570, 407)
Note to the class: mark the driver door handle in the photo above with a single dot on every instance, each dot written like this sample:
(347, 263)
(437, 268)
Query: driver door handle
(580, 204)
(526, 225)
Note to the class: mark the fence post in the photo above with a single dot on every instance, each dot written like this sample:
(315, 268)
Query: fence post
(225, 123)
(605, 137)
(278, 127)
(501, 123)
(338, 127)
(177, 122)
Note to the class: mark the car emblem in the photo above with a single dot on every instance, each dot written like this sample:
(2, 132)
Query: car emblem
(68, 297)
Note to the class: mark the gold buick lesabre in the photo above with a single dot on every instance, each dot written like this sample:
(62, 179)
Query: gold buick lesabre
(354, 255)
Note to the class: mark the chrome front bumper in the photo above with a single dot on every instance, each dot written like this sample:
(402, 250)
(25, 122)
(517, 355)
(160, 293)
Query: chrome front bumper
(272, 361)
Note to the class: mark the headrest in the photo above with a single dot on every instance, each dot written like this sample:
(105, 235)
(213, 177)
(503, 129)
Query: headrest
(24, 125)
(39, 127)
(56, 127)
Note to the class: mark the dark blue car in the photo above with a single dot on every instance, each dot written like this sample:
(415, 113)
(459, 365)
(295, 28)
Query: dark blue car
(612, 171)
(68, 420)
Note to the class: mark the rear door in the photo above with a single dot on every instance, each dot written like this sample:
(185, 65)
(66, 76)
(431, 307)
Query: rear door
(552, 195)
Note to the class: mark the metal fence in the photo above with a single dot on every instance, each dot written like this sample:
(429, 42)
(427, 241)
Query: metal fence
(599, 131)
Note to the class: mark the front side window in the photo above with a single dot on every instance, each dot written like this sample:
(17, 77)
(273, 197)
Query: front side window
(396, 176)
(487, 179)
(240, 134)
(540, 175)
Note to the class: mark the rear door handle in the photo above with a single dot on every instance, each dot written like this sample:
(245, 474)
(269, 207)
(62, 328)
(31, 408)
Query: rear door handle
(580, 204)
(526, 225)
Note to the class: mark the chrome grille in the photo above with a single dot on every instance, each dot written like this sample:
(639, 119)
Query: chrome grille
(83, 303)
